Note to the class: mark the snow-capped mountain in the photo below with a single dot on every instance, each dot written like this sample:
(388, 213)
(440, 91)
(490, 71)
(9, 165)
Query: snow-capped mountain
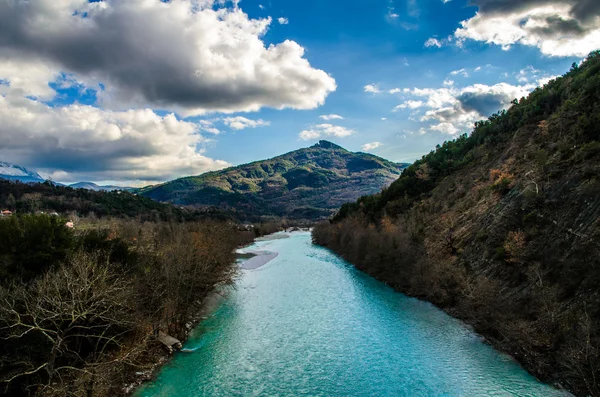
(93, 186)
(17, 173)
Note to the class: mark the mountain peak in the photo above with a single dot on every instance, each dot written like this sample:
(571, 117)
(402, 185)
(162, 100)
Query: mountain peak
(16, 172)
(323, 144)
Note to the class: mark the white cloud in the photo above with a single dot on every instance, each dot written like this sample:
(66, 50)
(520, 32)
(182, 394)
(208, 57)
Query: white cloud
(28, 78)
(557, 27)
(372, 88)
(79, 142)
(394, 91)
(452, 110)
(239, 122)
(545, 80)
(325, 130)
(462, 72)
(208, 126)
(433, 42)
(383, 118)
(328, 117)
(370, 146)
(262, 7)
(283, 21)
(410, 104)
(448, 82)
(187, 56)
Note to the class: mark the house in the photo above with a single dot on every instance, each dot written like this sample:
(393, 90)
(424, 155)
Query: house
(6, 213)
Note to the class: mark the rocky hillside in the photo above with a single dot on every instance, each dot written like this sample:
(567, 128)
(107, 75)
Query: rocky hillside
(502, 229)
(309, 183)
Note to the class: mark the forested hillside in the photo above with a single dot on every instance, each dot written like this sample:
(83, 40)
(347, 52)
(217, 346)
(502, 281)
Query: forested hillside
(501, 228)
(81, 309)
(86, 291)
(48, 197)
(309, 183)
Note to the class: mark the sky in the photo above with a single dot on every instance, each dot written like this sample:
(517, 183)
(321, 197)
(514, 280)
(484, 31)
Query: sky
(143, 91)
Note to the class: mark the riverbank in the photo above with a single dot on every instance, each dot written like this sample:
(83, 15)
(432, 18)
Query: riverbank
(158, 356)
(253, 259)
(408, 267)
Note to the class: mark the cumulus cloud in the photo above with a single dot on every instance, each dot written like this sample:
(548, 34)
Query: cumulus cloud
(370, 146)
(78, 142)
(321, 130)
(328, 117)
(28, 78)
(452, 110)
(187, 56)
(372, 88)
(283, 21)
(410, 104)
(239, 122)
(557, 27)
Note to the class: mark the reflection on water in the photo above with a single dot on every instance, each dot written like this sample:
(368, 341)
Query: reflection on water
(307, 323)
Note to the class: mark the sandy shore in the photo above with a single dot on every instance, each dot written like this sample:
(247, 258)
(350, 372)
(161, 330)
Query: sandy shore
(261, 258)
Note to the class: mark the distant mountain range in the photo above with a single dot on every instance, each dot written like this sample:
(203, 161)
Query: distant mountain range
(309, 183)
(93, 186)
(15, 172)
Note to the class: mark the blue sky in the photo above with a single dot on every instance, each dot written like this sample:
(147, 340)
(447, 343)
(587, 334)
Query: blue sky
(149, 91)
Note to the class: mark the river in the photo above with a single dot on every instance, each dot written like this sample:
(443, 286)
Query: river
(309, 324)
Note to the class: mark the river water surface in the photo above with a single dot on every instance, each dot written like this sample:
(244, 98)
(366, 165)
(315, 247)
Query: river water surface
(309, 324)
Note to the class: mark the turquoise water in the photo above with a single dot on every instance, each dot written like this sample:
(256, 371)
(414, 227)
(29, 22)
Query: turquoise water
(309, 324)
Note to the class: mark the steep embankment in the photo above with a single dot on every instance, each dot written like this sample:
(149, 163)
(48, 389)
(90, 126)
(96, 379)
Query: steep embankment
(502, 229)
(309, 183)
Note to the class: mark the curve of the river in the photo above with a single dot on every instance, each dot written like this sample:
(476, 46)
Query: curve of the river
(308, 324)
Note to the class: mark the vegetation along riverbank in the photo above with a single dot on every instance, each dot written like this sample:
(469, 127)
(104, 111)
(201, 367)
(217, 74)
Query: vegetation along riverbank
(89, 281)
(501, 228)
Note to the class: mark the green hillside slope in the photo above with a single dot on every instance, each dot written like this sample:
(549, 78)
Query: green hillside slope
(309, 183)
(502, 228)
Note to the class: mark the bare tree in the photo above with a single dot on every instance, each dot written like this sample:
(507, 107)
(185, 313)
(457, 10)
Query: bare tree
(76, 314)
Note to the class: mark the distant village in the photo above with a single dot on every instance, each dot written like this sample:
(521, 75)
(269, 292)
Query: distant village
(7, 213)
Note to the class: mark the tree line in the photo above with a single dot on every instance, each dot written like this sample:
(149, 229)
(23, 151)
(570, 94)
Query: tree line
(80, 309)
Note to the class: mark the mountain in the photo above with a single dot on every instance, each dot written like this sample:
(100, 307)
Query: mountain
(49, 197)
(502, 229)
(93, 186)
(17, 173)
(304, 184)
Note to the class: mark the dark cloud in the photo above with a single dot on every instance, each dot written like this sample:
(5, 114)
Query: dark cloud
(582, 10)
(483, 103)
(557, 27)
(166, 54)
